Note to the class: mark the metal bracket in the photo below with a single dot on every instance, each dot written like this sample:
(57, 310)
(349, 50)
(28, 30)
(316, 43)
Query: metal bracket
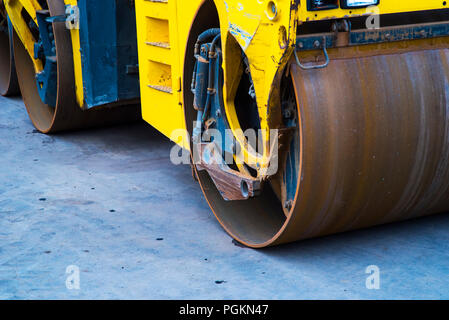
(319, 66)
(371, 36)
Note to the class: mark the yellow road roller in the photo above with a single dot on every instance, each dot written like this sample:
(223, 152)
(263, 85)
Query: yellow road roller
(299, 118)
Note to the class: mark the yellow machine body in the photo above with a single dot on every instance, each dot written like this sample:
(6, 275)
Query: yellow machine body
(266, 37)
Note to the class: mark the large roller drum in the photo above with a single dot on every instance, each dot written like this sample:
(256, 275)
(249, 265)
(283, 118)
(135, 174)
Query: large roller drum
(66, 114)
(372, 147)
(8, 77)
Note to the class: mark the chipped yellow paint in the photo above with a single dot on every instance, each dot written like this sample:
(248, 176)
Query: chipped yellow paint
(266, 56)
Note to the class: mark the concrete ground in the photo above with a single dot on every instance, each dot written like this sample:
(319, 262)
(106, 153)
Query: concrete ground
(110, 203)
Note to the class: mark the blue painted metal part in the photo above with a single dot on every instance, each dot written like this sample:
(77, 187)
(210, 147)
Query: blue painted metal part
(216, 110)
(201, 79)
(292, 161)
(207, 87)
(45, 50)
(108, 51)
(290, 176)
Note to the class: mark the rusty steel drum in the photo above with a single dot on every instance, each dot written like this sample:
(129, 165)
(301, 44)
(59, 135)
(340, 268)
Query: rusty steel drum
(374, 147)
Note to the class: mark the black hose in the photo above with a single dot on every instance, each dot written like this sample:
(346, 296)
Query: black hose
(208, 34)
(210, 89)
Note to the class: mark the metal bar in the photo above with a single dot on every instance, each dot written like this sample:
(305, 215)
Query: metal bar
(382, 35)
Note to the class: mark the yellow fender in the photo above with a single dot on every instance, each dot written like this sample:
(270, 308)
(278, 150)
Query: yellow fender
(14, 9)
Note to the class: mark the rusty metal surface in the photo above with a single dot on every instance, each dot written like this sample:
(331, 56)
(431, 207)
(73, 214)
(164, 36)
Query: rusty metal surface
(8, 77)
(374, 149)
(66, 115)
